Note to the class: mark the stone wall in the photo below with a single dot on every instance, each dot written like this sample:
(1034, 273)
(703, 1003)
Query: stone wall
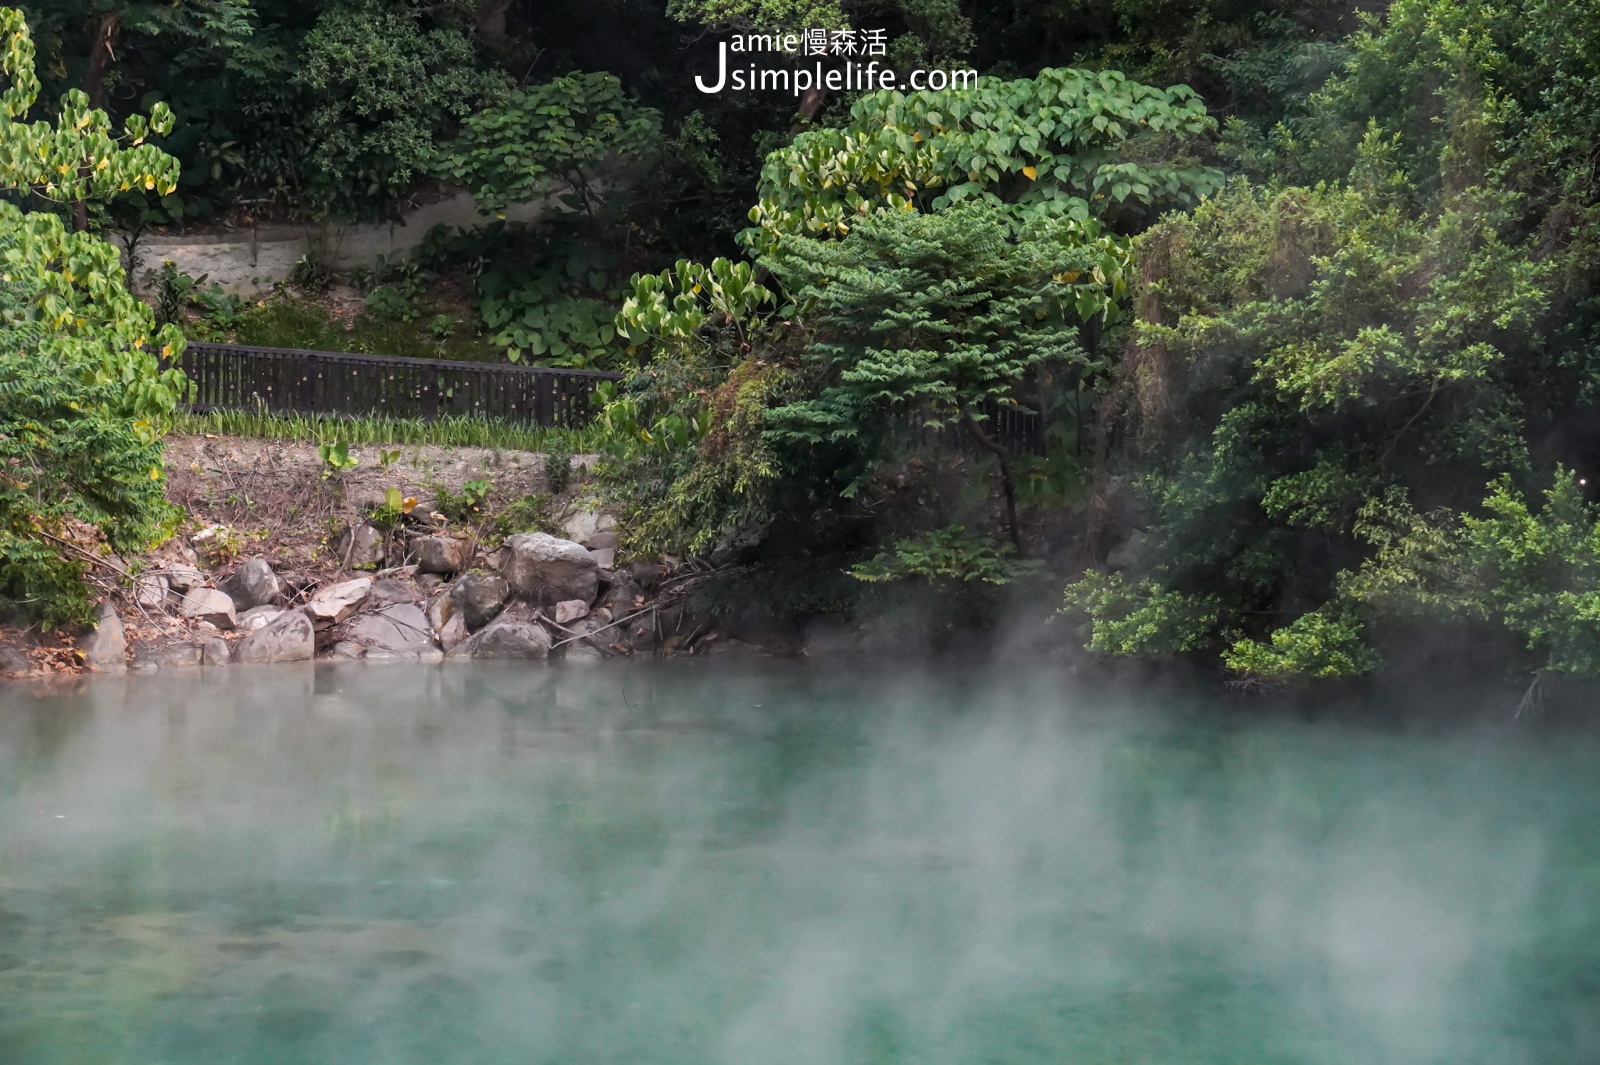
(251, 262)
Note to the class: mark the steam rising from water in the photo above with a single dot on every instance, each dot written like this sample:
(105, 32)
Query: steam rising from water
(671, 865)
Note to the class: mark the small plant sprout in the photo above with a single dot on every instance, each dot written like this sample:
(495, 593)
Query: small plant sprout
(336, 458)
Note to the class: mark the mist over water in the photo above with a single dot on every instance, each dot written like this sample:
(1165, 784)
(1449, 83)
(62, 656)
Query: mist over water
(674, 864)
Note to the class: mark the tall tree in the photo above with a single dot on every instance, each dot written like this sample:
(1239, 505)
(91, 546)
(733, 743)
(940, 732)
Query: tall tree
(940, 317)
(85, 389)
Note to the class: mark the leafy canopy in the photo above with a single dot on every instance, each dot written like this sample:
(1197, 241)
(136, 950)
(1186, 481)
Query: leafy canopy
(1325, 375)
(76, 157)
(1066, 142)
(1530, 570)
(387, 88)
(940, 314)
(84, 393)
(558, 132)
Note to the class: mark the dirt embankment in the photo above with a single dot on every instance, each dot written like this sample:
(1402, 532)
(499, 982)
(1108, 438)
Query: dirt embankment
(280, 500)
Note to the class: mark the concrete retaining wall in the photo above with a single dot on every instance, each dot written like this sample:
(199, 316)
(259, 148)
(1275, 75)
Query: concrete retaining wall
(251, 264)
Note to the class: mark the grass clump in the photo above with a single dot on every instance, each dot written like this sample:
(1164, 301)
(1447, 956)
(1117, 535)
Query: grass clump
(450, 431)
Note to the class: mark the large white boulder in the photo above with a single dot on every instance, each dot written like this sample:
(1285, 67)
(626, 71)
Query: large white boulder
(336, 602)
(208, 604)
(546, 570)
(286, 638)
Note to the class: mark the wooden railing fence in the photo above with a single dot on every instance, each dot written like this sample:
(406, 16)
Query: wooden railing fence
(295, 381)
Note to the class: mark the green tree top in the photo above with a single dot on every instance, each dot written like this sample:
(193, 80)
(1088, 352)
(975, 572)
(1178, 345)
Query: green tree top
(941, 316)
(1074, 142)
(75, 158)
(545, 135)
(765, 16)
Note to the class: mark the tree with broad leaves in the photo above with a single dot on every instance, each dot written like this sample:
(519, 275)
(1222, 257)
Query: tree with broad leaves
(940, 317)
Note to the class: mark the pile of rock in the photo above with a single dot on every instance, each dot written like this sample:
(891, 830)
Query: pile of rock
(552, 596)
(239, 617)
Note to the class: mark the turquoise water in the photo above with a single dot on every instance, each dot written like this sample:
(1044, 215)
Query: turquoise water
(668, 864)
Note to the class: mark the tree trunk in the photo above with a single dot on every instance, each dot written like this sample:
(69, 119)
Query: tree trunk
(1007, 481)
(811, 102)
(102, 51)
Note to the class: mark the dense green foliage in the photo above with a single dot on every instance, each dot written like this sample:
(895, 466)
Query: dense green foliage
(562, 131)
(386, 88)
(1341, 395)
(773, 419)
(74, 476)
(937, 319)
(83, 389)
(1071, 142)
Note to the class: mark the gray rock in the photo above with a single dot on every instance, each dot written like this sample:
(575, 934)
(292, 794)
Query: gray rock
(427, 582)
(208, 604)
(106, 647)
(506, 639)
(442, 554)
(598, 634)
(257, 617)
(215, 652)
(440, 610)
(623, 599)
(645, 574)
(252, 584)
(582, 526)
(604, 557)
(286, 638)
(177, 656)
(181, 577)
(601, 541)
(386, 591)
(546, 570)
(14, 661)
(347, 649)
(479, 599)
(453, 632)
(400, 630)
(362, 546)
(150, 591)
(640, 633)
(570, 611)
(580, 651)
(336, 602)
(729, 649)
(1127, 554)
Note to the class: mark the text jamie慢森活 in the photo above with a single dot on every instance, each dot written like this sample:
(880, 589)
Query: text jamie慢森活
(850, 76)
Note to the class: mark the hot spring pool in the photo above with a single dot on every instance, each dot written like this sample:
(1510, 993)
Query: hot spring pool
(666, 863)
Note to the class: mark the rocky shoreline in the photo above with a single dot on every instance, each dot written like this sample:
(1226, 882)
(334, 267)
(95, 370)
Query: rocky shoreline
(534, 596)
(282, 562)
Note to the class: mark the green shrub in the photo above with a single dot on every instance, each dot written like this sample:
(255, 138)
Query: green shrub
(557, 466)
(528, 514)
(952, 554)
